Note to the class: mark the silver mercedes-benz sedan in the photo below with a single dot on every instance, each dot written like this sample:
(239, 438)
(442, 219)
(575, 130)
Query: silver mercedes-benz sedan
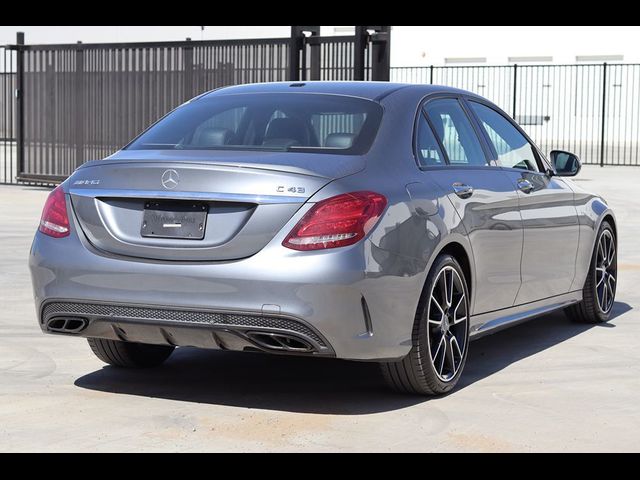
(363, 221)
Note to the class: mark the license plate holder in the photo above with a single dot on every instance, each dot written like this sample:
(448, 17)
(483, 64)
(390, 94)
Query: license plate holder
(174, 220)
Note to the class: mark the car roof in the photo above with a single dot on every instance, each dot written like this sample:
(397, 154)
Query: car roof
(369, 90)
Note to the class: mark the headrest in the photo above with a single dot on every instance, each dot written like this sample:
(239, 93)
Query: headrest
(286, 129)
(212, 137)
(339, 140)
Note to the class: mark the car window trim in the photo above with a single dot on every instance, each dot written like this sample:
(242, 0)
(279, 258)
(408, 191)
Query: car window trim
(542, 165)
(443, 151)
(421, 111)
(357, 149)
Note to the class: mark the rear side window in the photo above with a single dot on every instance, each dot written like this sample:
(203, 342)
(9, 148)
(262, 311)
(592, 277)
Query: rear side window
(268, 122)
(455, 132)
(513, 149)
(429, 153)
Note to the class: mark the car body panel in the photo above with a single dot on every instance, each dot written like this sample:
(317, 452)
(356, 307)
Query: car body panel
(592, 210)
(551, 236)
(246, 207)
(492, 222)
(363, 298)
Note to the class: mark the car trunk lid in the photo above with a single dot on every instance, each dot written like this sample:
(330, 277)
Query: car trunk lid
(162, 208)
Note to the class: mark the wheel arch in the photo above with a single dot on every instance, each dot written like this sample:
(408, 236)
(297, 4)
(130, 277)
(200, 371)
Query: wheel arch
(608, 217)
(457, 251)
(460, 249)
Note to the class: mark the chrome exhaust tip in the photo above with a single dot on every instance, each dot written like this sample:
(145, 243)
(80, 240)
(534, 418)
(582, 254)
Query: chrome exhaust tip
(280, 342)
(67, 325)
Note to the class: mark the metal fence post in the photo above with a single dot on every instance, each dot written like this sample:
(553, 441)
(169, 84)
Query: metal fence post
(20, 102)
(298, 69)
(314, 52)
(604, 112)
(80, 107)
(188, 71)
(515, 90)
(431, 75)
(360, 50)
(381, 53)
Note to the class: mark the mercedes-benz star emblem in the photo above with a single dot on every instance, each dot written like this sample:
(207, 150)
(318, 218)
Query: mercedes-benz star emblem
(170, 179)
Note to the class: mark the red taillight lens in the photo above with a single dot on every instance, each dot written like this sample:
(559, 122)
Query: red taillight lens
(55, 221)
(337, 222)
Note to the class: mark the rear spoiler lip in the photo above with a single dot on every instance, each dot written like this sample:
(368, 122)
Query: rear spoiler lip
(177, 195)
(238, 165)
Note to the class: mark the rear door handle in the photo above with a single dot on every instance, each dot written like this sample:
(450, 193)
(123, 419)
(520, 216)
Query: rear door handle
(525, 186)
(462, 190)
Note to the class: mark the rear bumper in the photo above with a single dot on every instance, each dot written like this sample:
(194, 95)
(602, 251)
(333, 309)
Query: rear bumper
(157, 325)
(341, 302)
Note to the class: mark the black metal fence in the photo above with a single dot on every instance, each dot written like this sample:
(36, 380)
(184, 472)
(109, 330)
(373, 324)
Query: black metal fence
(81, 102)
(62, 105)
(591, 110)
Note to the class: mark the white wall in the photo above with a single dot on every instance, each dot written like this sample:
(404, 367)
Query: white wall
(424, 45)
(411, 45)
(97, 34)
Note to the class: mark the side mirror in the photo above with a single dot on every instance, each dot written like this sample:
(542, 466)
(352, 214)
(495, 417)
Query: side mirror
(566, 164)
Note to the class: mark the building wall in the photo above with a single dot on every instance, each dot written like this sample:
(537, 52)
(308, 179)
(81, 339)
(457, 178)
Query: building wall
(411, 45)
(93, 34)
(424, 45)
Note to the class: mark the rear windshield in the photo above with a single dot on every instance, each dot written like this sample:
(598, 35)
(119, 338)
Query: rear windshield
(267, 122)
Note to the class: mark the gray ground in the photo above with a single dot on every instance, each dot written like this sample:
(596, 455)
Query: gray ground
(545, 385)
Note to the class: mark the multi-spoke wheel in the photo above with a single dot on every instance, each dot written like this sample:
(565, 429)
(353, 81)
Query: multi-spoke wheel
(606, 271)
(440, 334)
(448, 323)
(599, 292)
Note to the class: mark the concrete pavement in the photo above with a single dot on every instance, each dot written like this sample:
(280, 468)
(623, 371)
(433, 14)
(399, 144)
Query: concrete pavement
(548, 385)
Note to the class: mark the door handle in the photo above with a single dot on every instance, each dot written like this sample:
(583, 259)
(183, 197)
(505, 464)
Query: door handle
(525, 186)
(462, 190)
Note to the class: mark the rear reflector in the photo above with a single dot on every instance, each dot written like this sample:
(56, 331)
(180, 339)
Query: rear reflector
(55, 221)
(337, 222)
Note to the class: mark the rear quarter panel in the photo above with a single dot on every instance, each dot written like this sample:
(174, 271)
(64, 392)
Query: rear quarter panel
(418, 224)
(592, 210)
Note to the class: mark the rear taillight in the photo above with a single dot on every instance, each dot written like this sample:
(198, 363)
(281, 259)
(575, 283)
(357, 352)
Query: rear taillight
(337, 222)
(55, 221)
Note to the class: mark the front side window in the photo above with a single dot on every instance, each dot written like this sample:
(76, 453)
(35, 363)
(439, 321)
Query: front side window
(455, 132)
(513, 149)
(268, 122)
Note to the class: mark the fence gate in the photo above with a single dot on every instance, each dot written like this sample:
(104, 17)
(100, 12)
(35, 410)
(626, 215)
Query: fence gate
(8, 166)
(81, 102)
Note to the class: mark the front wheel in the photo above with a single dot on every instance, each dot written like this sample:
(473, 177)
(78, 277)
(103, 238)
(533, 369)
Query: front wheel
(440, 335)
(129, 355)
(599, 292)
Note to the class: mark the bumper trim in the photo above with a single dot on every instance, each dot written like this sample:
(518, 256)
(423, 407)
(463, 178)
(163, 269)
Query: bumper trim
(239, 322)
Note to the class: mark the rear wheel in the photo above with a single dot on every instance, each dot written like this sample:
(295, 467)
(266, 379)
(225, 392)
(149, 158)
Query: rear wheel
(599, 292)
(129, 355)
(440, 335)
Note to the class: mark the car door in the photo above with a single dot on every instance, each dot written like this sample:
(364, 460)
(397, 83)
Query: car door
(551, 229)
(450, 151)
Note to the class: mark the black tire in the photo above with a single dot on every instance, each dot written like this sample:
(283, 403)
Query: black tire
(129, 355)
(589, 309)
(416, 373)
